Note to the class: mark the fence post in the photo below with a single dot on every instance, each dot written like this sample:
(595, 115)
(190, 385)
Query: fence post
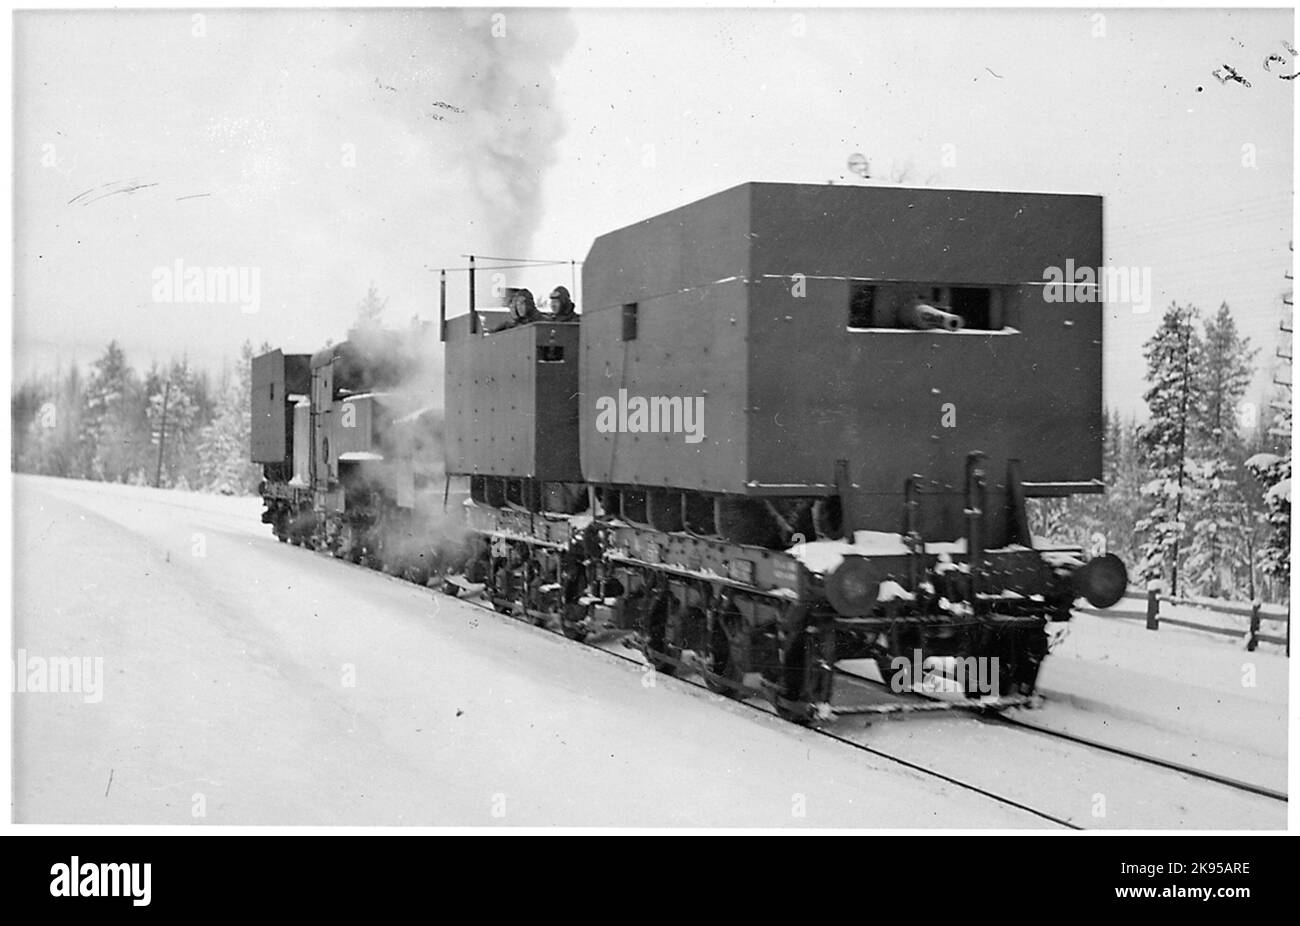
(1153, 609)
(1252, 640)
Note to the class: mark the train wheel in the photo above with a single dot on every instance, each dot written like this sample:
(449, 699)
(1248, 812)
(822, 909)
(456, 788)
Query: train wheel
(656, 632)
(789, 703)
(807, 675)
(554, 611)
(905, 644)
(1002, 683)
(573, 623)
(1022, 657)
(661, 663)
(498, 590)
(885, 666)
(721, 675)
(999, 666)
(1010, 680)
(419, 568)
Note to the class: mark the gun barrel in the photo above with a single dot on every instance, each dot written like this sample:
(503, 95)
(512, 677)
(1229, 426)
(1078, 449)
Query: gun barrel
(922, 316)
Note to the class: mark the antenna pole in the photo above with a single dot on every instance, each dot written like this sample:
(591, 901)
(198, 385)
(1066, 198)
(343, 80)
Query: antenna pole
(442, 307)
(473, 312)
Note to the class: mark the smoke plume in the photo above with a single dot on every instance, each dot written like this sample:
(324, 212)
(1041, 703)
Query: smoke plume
(513, 123)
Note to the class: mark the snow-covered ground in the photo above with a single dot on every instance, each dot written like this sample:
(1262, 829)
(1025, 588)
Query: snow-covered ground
(226, 690)
(267, 684)
(1179, 694)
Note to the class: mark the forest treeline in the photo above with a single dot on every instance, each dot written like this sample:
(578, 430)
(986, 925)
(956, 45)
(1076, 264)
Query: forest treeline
(1198, 495)
(172, 426)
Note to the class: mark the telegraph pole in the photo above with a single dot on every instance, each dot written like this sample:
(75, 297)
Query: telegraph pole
(162, 435)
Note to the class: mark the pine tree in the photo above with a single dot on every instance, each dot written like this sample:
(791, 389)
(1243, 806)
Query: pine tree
(370, 309)
(1222, 524)
(1273, 470)
(110, 437)
(47, 425)
(174, 418)
(1173, 356)
(28, 411)
(1123, 504)
(224, 443)
(61, 453)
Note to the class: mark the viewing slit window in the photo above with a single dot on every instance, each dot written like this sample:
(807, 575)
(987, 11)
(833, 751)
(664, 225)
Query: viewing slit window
(891, 305)
(550, 353)
(862, 305)
(629, 321)
(973, 305)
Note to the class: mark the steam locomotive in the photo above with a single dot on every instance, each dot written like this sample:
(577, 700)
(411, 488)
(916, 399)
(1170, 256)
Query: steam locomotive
(793, 425)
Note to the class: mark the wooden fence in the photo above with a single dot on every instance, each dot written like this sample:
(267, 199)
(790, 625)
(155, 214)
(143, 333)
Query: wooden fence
(1254, 611)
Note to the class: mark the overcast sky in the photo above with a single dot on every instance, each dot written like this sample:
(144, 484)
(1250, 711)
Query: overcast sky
(330, 149)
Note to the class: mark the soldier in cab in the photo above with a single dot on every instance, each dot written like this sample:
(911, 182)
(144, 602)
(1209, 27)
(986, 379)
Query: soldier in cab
(523, 310)
(561, 305)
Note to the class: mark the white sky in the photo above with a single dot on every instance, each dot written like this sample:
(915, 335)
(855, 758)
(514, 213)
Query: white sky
(657, 108)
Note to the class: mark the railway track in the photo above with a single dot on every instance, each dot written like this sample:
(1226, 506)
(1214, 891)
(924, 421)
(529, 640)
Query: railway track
(756, 699)
(1190, 771)
(841, 728)
(1014, 722)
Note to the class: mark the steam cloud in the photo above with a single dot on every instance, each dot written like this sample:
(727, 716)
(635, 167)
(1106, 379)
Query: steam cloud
(508, 88)
(473, 94)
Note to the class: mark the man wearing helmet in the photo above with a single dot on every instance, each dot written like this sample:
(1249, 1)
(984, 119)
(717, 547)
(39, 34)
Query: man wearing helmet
(562, 307)
(523, 311)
